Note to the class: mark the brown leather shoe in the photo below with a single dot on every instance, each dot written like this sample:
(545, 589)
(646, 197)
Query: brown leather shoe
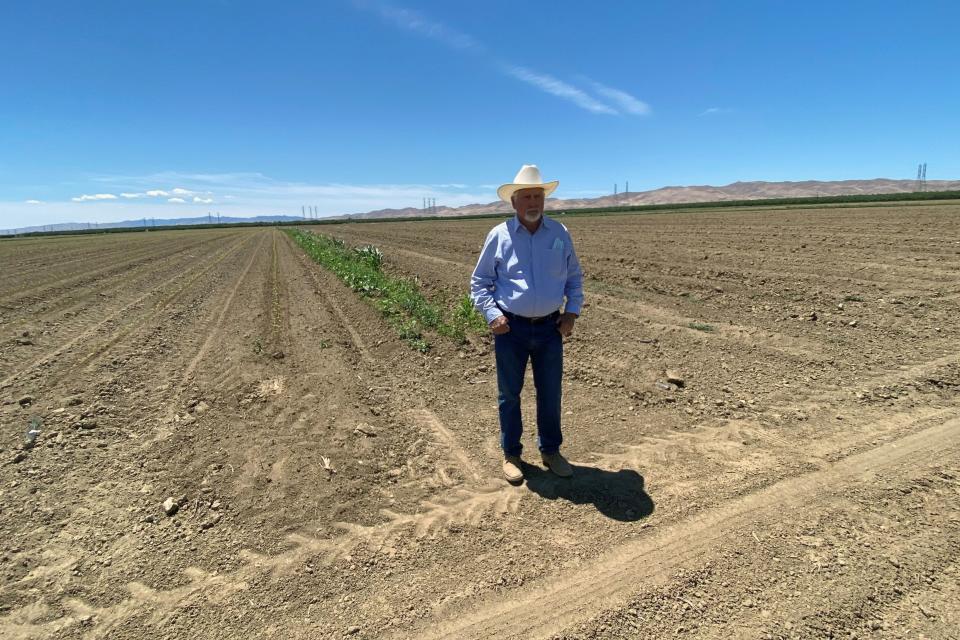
(512, 469)
(557, 463)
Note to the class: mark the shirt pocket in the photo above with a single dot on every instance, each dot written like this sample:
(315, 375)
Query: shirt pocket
(557, 263)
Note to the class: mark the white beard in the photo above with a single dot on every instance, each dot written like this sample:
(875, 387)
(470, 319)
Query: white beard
(532, 216)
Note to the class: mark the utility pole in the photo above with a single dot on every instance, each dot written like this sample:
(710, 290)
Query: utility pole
(218, 217)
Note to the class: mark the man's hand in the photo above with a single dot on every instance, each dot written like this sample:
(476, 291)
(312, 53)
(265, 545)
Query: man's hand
(500, 326)
(565, 324)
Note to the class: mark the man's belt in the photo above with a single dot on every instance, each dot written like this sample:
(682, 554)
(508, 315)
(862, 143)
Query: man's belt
(538, 320)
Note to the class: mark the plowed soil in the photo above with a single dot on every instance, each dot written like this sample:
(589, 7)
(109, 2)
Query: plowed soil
(324, 480)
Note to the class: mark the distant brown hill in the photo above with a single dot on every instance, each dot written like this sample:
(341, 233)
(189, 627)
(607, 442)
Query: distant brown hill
(706, 193)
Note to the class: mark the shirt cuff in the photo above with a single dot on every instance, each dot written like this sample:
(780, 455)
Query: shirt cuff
(572, 308)
(492, 314)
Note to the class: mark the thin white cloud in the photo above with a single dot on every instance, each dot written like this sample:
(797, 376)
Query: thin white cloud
(157, 193)
(416, 23)
(34, 201)
(182, 192)
(96, 196)
(131, 196)
(622, 99)
(560, 89)
(250, 194)
(412, 21)
(713, 111)
(200, 200)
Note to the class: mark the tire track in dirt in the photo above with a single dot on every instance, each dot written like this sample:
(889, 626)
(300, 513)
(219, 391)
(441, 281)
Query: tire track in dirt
(819, 397)
(61, 321)
(751, 336)
(145, 256)
(536, 611)
(214, 327)
(663, 318)
(75, 296)
(116, 336)
(424, 417)
(560, 602)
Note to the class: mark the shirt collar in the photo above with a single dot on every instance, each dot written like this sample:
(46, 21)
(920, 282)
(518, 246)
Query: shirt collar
(545, 223)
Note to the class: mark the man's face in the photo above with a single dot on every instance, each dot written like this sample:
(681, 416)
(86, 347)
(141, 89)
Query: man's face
(528, 203)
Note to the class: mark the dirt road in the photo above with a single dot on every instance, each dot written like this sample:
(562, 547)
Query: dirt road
(326, 481)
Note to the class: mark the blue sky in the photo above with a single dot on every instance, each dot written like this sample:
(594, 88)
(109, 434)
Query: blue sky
(260, 107)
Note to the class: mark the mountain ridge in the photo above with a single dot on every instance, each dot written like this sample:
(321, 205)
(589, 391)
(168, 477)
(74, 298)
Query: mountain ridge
(740, 190)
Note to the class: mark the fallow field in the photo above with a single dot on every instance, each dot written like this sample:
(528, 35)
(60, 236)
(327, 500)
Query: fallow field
(206, 434)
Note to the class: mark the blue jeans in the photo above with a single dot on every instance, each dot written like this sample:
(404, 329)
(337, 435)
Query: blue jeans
(542, 344)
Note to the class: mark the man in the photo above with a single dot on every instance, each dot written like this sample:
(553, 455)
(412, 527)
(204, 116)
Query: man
(526, 269)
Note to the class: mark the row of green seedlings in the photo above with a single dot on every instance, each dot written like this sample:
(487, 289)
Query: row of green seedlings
(398, 299)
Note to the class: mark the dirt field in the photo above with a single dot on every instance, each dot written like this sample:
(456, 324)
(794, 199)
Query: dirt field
(330, 482)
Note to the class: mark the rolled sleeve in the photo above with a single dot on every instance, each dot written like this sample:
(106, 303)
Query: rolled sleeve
(483, 279)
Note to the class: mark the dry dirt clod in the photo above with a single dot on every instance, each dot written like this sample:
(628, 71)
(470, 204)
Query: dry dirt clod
(25, 400)
(364, 429)
(170, 506)
(675, 378)
(211, 521)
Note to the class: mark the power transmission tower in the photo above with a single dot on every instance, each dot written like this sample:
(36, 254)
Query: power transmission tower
(626, 189)
(218, 217)
(614, 188)
(923, 178)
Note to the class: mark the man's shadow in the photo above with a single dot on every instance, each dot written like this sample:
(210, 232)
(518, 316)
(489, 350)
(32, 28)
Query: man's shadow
(616, 494)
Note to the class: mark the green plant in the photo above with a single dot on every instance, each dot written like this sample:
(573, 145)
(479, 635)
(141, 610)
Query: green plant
(398, 299)
(700, 326)
(853, 298)
(371, 255)
(466, 319)
(257, 346)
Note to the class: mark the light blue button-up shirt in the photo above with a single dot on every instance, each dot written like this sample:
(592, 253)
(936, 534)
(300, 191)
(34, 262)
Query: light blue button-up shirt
(527, 274)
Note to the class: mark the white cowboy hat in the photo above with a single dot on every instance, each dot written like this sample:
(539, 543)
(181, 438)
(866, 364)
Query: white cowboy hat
(527, 178)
